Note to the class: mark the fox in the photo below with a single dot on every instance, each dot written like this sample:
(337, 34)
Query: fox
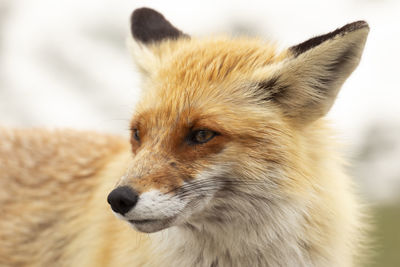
(230, 162)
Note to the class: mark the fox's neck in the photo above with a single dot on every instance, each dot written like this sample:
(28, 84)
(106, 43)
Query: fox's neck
(253, 238)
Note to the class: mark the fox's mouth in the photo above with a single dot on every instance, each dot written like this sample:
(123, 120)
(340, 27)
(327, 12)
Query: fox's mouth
(151, 225)
(142, 221)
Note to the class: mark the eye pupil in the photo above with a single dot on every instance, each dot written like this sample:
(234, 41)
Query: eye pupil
(136, 134)
(202, 136)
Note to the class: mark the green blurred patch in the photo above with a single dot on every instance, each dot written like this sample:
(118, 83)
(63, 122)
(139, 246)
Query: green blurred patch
(386, 236)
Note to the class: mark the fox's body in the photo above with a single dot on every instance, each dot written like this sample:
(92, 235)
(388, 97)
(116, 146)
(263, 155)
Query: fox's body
(232, 163)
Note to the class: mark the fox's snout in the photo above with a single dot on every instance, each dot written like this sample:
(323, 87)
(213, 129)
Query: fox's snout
(122, 199)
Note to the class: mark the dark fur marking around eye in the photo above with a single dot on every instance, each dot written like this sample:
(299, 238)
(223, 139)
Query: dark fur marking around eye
(313, 42)
(148, 26)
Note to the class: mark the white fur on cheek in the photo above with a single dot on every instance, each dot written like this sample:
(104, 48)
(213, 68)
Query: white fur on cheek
(156, 205)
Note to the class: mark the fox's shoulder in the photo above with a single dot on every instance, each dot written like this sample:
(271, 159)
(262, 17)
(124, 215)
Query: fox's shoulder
(48, 178)
(54, 154)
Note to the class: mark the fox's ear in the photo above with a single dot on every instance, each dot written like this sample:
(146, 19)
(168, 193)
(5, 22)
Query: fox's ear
(306, 83)
(149, 28)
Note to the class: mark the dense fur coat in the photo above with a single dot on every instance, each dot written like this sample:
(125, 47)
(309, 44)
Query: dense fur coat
(230, 163)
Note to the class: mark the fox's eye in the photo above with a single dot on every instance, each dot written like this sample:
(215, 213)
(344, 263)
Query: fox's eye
(136, 134)
(201, 136)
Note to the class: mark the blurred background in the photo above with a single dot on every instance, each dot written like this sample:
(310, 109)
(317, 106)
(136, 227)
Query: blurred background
(65, 64)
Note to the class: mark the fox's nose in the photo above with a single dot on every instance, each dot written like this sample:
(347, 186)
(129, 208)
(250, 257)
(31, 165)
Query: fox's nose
(122, 199)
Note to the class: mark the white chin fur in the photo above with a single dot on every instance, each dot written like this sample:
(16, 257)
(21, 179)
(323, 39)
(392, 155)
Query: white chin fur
(154, 226)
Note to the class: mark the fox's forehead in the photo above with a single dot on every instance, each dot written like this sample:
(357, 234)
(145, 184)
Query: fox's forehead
(196, 62)
(201, 75)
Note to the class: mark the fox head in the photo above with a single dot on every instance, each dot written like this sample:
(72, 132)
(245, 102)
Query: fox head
(224, 119)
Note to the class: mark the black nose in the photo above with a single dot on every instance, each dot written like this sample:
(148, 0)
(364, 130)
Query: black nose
(122, 199)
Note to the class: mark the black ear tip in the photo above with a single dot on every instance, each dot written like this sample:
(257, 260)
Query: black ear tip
(149, 26)
(357, 25)
(140, 19)
(313, 42)
(362, 23)
(143, 13)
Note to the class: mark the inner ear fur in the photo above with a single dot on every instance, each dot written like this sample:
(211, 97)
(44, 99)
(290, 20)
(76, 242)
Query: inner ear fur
(307, 82)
